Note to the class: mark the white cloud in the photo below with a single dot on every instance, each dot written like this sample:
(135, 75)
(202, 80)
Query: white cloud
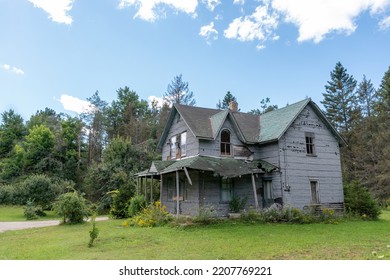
(209, 32)
(75, 104)
(317, 18)
(239, 2)
(57, 10)
(13, 69)
(211, 4)
(385, 23)
(150, 10)
(259, 26)
(158, 100)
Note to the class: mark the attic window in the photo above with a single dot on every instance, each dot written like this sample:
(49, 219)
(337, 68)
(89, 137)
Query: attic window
(225, 143)
(310, 148)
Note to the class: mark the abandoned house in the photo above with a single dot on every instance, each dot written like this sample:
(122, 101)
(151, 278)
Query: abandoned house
(288, 156)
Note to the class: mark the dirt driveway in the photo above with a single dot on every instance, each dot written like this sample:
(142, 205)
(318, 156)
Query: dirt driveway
(5, 226)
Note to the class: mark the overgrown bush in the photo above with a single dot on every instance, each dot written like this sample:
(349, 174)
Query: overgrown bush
(237, 204)
(73, 207)
(151, 216)
(206, 215)
(41, 189)
(358, 201)
(137, 203)
(29, 211)
(13, 194)
(121, 200)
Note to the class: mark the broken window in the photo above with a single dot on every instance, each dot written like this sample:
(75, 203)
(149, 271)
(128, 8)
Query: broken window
(267, 192)
(310, 148)
(225, 143)
(173, 144)
(183, 144)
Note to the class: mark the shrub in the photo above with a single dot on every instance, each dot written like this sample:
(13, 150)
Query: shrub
(14, 194)
(358, 201)
(73, 207)
(93, 233)
(237, 204)
(29, 211)
(137, 203)
(206, 215)
(120, 201)
(153, 215)
(41, 189)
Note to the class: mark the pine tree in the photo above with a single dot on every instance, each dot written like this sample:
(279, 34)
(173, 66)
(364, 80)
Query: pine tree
(366, 96)
(382, 105)
(178, 92)
(224, 104)
(340, 100)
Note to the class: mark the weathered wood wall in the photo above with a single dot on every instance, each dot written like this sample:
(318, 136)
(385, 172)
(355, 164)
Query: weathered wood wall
(298, 168)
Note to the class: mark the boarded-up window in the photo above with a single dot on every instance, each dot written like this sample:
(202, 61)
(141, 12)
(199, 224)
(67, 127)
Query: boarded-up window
(226, 190)
(225, 143)
(315, 198)
(310, 148)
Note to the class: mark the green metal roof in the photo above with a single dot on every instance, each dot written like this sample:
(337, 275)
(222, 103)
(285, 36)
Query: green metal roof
(275, 123)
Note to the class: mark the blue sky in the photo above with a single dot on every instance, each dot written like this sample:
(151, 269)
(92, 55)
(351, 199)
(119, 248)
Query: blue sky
(56, 53)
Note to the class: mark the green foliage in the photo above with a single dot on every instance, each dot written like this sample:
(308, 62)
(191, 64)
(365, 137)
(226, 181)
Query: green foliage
(151, 216)
(30, 211)
(137, 203)
(237, 204)
(13, 194)
(121, 201)
(224, 104)
(205, 216)
(73, 207)
(41, 189)
(289, 215)
(340, 100)
(94, 232)
(358, 201)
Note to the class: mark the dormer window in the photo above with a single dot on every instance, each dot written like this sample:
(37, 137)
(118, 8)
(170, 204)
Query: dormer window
(225, 143)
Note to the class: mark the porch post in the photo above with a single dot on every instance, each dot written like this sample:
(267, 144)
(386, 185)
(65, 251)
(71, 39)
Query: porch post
(254, 192)
(151, 190)
(161, 187)
(177, 194)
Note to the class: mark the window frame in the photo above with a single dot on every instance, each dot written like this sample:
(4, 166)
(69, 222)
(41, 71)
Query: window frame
(225, 144)
(310, 144)
(226, 185)
(314, 192)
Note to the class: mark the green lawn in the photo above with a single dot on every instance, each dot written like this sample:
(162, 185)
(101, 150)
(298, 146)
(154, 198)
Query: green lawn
(13, 214)
(346, 240)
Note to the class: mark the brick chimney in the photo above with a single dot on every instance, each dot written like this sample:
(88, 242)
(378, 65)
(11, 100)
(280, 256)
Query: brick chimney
(233, 106)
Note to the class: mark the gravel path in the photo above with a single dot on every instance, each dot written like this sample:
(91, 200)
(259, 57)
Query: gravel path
(5, 226)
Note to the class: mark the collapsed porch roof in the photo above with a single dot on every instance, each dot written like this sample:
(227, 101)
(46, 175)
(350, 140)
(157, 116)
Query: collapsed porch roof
(225, 167)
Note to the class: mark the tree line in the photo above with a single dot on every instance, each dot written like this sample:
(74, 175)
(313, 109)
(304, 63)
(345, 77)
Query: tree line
(98, 152)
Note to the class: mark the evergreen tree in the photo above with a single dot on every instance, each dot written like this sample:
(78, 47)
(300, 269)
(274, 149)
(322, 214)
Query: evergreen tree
(224, 104)
(382, 106)
(366, 96)
(340, 100)
(12, 130)
(178, 92)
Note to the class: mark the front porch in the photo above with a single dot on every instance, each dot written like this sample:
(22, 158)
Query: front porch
(190, 184)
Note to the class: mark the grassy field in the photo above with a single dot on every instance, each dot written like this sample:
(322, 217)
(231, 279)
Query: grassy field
(15, 214)
(225, 241)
